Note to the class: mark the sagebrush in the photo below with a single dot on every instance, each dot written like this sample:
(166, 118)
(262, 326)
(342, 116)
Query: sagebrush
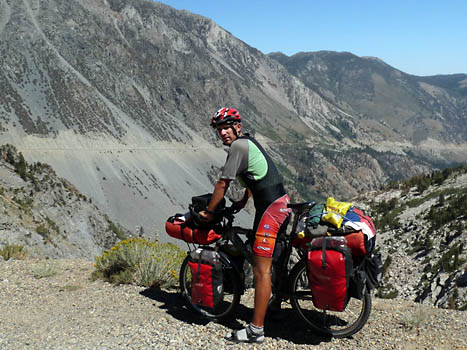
(141, 262)
(44, 270)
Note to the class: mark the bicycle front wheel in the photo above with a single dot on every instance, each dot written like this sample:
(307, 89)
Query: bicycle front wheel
(231, 297)
(336, 324)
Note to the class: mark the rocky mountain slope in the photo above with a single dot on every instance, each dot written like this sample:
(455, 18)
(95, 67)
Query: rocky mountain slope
(422, 236)
(116, 95)
(422, 227)
(46, 215)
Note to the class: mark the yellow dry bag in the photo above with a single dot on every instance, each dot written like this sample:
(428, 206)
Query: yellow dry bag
(335, 211)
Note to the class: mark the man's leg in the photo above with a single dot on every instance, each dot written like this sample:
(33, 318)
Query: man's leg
(262, 273)
(254, 332)
(267, 224)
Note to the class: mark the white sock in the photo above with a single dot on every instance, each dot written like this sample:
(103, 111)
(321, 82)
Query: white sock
(256, 330)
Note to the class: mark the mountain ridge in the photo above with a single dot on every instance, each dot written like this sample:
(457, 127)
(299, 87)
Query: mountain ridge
(127, 87)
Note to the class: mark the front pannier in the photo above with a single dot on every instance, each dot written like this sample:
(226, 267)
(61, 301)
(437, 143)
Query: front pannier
(206, 283)
(329, 267)
(178, 227)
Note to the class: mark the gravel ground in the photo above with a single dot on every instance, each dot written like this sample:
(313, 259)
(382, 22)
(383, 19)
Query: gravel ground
(66, 310)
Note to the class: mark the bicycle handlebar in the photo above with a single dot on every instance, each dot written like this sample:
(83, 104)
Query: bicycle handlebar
(229, 213)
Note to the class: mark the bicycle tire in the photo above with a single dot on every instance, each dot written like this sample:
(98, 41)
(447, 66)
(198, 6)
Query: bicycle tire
(336, 324)
(231, 298)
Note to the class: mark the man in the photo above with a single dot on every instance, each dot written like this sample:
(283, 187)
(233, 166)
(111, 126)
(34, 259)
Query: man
(249, 162)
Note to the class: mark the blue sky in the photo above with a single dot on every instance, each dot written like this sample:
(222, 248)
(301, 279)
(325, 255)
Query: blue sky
(420, 37)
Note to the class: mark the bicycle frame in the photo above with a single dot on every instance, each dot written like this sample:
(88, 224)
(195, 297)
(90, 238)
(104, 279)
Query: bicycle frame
(232, 234)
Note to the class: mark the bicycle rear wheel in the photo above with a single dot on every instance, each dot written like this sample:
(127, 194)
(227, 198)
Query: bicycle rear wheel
(337, 324)
(231, 298)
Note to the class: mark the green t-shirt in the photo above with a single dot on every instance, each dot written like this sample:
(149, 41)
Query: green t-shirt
(245, 160)
(248, 162)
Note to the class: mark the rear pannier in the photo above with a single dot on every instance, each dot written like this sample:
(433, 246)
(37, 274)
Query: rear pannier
(329, 267)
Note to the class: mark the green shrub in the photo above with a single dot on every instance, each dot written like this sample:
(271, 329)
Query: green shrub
(116, 230)
(387, 292)
(43, 231)
(139, 261)
(13, 251)
(455, 208)
(53, 225)
(416, 319)
(386, 206)
(386, 264)
(389, 220)
(450, 261)
(44, 270)
(421, 244)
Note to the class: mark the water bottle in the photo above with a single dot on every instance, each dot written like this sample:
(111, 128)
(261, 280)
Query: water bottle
(301, 228)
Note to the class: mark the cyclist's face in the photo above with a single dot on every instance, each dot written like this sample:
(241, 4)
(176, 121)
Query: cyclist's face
(227, 134)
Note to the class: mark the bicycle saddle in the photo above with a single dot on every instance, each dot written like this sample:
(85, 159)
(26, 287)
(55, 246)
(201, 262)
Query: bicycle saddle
(301, 206)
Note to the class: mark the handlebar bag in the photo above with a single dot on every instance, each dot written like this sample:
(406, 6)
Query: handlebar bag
(329, 267)
(200, 203)
(206, 273)
(178, 227)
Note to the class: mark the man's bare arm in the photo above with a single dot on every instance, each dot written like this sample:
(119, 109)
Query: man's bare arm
(219, 192)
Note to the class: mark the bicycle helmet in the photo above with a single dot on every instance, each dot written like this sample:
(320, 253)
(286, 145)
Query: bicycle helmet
(225, 116)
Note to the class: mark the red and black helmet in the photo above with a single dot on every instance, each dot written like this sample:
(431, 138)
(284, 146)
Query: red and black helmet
(225, 116)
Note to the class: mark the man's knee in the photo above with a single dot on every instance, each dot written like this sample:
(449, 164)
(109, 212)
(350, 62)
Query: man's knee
(261, 274)
(262, 267)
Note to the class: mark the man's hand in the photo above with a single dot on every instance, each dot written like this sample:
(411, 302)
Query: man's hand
(219, 192)
(205, 216)
(239, 205)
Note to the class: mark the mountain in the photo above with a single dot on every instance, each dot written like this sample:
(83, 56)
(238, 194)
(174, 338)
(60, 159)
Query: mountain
(399, 106)
(46, 215)
(116, 96)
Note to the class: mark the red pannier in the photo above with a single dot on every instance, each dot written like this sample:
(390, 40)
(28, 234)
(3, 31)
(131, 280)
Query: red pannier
(358, 243)
(177, 227)
(206, 272)
(329, 267)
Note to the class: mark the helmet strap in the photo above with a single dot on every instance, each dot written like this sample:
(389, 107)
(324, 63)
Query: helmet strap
(234, 131)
